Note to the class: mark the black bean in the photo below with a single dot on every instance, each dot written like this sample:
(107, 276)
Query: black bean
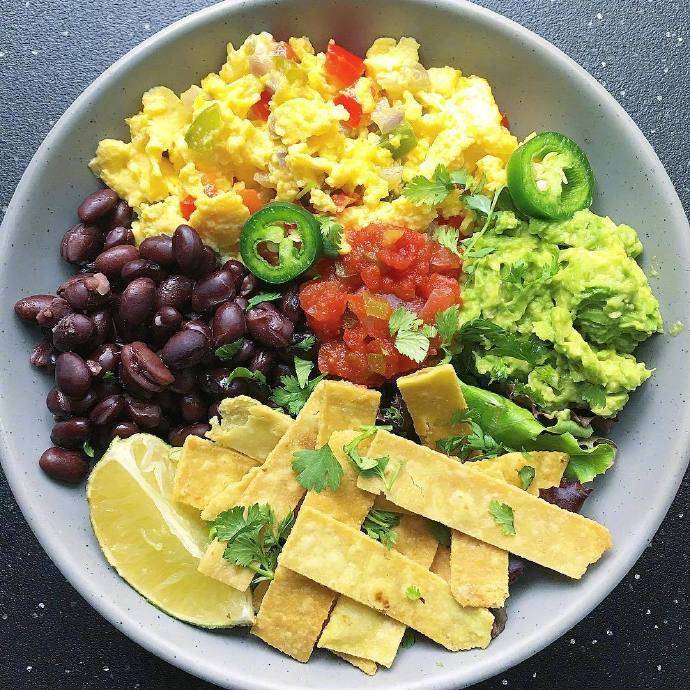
(143, 368)
(123, 430)
(280, 370)
(72, 375)
(81, 243)
(158, 249)
(258, 391)
(241, 302)
(112, 260)
(95, 369)
(138, 301)
(176, 291)
(213, 290)
(289, 305)
(49, 315)
(192, 408)
(42, 354)
(213, 383)
(267, 325)
(187, 248)
(71, 433)
(28, 308)
(108, 356)
(185, 349)
(129, 332)
(245, 353)
(72, 331)
(102, 326)
(199, 325)
(170, 403)
(249, 284)
(213, 409)
(97, 205)
(86, 291)
(62, 406)
(237, 270)
(145, 415)
(118, 236)
(108, 410)
(185, 380)
(66, 465)
(177, 436)
(104, 388)
(228, 324)
(142, 268)
(121, 216)
(262, 361)
(166, 321)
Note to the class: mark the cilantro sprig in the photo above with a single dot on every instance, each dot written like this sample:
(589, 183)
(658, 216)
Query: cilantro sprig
(477, 444)
(317, 469)
(253, 538)
(380, 525)
(413, 593)
(433, 191)
(526, 475)
(229, 350)
(449, 238)
(411, 334)
(331, 235)
(370, 467)
(503, 516)
(294, 391)
(243, 373)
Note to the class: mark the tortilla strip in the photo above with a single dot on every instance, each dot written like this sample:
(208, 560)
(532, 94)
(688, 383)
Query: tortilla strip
(248, 427)
(227, 497)
(369, 635)
(204, 468)
(432, 396)
(441, 564)
(442, 489)
(347, 561)
(295, 609)
(369, 667)
(479, 571)
(274, 484)
(382, 503)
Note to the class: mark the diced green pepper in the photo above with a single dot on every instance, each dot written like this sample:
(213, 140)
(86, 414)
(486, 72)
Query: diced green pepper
(201, 134)
(399, 141)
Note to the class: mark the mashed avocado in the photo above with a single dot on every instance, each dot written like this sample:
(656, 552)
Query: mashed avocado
(574, 284)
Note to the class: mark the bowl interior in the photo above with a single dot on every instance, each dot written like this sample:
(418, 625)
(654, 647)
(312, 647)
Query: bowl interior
(539, 89)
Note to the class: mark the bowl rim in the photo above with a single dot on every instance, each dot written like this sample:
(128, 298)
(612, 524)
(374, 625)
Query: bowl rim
(194, 663)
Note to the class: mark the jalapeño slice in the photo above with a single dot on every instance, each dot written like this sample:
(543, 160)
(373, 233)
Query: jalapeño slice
(550, 177)
(280, 241)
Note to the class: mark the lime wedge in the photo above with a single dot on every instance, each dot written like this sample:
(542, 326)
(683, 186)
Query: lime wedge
(154, 543)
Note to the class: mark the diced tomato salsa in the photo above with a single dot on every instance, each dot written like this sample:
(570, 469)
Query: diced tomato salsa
(348, 306)
(343, 67)
(187, 207)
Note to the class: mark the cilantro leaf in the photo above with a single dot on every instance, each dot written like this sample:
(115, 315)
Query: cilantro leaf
(411, 334)
(447, 325)
(479, 253)
(228, 351)
(460, 177)
(379, 525)
(88, 449)
(243, 373)
(317, 469)
(109, 376)
(252, 538)
(448, 237)
(331, 235)
(476, 445)
(422, 190)
(479, 203)
(408, 639)
(305, 344)
(526, 475)
(413, 593)
(291, 396)
(303, 368)
(517, 273)
(369, 467)
(262, 297)
(594, 396)
(501, 341)
(392, 415)
(503, 516)
(441, 532)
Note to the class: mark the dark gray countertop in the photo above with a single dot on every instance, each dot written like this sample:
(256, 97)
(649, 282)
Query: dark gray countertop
(50, 50)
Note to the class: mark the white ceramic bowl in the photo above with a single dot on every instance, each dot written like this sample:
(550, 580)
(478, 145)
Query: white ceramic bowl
(540, 88)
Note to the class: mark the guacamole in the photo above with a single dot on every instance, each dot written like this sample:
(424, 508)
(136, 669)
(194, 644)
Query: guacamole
(576, 286)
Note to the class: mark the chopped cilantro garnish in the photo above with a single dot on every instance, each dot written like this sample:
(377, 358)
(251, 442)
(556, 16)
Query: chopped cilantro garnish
(413, 593)
(109, 376)
(501, 341)
(88, 449)
(411, 334)
(317, 469)
(253, 539)
(526, 475)
(262, 297)
(422, 190)
(392, 415)
(228, 351)
(448, 237)
(331, 235)
(503, 516)
(476, 444)
(379, 525)
(479, 203)
(370, 467)
(303, 368)
(291, 396)
(244, 373)
(305, 344)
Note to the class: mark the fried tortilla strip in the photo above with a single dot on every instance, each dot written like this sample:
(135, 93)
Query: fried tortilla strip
(366, 634)
(248, 427)
(382, 503)
(228, 497)
(204, 468)
(441, 564)
(369, 667)
(347, 561)
(275, 484)
(295, 609)
(433, 396)
(442, 489)
(479, 570)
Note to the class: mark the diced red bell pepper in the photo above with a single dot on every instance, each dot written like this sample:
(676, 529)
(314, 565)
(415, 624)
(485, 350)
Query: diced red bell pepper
(261, 109)
(187, 207)
(343, 67)
(284, 48)
(251, 199)
(504, 121)
(353, 108)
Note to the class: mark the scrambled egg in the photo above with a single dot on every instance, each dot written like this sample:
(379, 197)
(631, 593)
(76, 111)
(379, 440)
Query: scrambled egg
(304, 149)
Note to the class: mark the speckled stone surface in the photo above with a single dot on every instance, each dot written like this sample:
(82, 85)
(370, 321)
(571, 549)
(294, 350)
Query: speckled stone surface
(637, 638)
